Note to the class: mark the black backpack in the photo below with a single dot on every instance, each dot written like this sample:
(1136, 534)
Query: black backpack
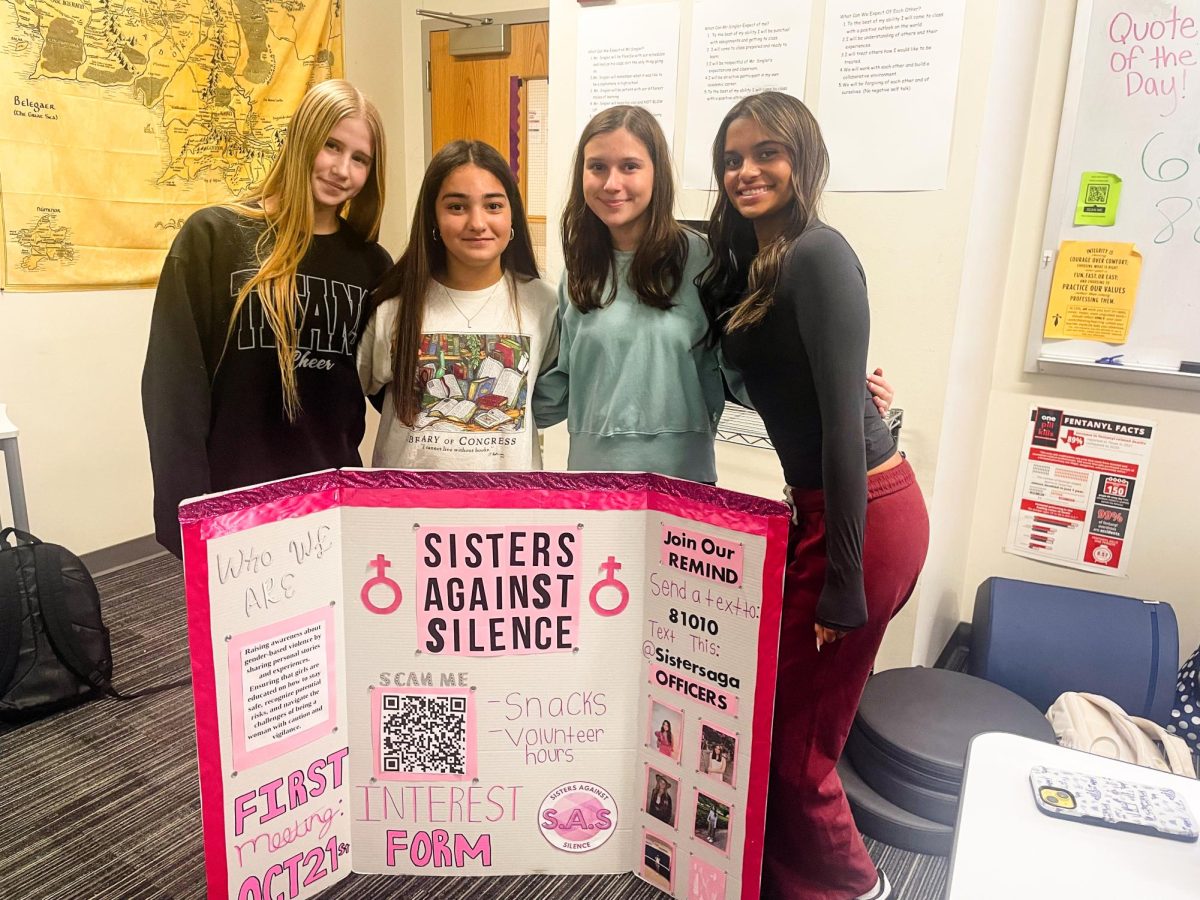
(54, 648)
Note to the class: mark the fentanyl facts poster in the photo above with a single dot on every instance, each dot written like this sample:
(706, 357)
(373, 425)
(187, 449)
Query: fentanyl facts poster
(1079, 489)
(448, 674)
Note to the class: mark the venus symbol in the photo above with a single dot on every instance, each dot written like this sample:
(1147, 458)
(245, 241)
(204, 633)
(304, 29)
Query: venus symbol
(380, 564)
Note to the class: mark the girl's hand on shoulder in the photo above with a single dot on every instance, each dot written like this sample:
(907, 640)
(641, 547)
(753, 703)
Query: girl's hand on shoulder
(882, 392)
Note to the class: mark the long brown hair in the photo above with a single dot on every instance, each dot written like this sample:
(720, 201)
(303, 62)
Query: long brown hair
(739, 266)
(657, 266)
(425, 259)
(284, 201)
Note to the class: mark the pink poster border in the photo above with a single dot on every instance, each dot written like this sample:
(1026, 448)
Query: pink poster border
(235, 511)
(754, 827)
(208, 735)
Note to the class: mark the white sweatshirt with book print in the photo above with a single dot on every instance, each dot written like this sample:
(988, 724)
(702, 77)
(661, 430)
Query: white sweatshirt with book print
(479, 360)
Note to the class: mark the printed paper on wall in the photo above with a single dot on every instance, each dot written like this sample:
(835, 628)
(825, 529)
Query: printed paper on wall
(1080, 485)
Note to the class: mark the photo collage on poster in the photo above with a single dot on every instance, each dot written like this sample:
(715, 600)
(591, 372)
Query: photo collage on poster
(693, 779)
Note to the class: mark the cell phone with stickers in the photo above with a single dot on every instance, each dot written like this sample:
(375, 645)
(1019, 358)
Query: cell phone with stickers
(1110, 803)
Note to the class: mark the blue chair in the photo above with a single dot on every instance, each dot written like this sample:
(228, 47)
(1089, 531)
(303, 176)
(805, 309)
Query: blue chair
(1039, 640)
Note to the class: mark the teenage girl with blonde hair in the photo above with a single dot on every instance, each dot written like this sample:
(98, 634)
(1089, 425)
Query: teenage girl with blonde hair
(250, 371)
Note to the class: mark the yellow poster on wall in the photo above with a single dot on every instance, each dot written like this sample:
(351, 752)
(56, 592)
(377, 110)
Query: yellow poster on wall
(125, 118)
(1093, 291)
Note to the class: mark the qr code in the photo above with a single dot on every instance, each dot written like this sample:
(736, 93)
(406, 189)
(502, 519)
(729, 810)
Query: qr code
(423, 734)
(1096, 193)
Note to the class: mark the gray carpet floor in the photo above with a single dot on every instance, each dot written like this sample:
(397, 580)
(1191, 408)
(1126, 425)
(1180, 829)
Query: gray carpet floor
(101, 802)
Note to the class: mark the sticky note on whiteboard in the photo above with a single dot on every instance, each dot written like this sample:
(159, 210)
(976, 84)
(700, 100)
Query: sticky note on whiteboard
(1099, 196)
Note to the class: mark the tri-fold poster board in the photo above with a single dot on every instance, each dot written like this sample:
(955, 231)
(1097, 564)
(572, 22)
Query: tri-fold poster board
(494, 674)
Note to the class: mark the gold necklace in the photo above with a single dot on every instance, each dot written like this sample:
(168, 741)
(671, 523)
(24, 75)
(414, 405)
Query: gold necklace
(474, 315)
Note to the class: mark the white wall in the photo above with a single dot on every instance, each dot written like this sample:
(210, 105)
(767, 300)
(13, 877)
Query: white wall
(378, 61)
(972, 350)
(70, 367)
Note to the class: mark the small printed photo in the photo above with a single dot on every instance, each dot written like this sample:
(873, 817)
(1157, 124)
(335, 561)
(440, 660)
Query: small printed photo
(718, 753)
(658, 862)
(712, 822)
(666, 730)
(662, 796)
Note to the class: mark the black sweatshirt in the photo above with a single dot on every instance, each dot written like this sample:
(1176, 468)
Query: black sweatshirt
(803, 368)
(214, 408)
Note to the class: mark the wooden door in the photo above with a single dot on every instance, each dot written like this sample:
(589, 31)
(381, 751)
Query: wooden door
(470, 98)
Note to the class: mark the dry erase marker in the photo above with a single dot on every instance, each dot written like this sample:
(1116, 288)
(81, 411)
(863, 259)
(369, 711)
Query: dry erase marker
(1110, 360)
(1191, 367)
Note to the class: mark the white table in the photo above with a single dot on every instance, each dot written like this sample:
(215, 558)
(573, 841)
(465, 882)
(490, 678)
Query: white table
(1005, 849)
(12, 463)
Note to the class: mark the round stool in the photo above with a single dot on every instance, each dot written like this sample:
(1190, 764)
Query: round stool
(909, 742)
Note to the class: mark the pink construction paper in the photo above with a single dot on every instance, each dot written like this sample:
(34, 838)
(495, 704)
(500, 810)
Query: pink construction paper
(452, 559)
(694, 553)
(243, 757)
(706, 881)
(698, 690)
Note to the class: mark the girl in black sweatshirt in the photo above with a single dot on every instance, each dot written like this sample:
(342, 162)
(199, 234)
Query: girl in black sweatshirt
(250, 373)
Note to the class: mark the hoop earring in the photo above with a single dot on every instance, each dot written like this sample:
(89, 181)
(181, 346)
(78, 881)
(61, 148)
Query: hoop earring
(436, 235)
(512, 234)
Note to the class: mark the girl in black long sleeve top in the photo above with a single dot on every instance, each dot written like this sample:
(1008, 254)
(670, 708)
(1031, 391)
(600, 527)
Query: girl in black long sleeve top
(789, 298)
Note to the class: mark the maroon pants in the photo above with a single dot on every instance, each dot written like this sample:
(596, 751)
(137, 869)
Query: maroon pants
(813, 850)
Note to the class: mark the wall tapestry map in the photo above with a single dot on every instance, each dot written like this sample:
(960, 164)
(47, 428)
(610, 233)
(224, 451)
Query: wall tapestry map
(127, 115)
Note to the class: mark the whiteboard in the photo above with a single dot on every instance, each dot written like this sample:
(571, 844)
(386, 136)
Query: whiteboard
(1132, 108)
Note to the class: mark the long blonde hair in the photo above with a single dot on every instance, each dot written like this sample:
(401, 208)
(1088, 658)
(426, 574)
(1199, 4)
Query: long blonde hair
(284, 201)
(738, 265)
